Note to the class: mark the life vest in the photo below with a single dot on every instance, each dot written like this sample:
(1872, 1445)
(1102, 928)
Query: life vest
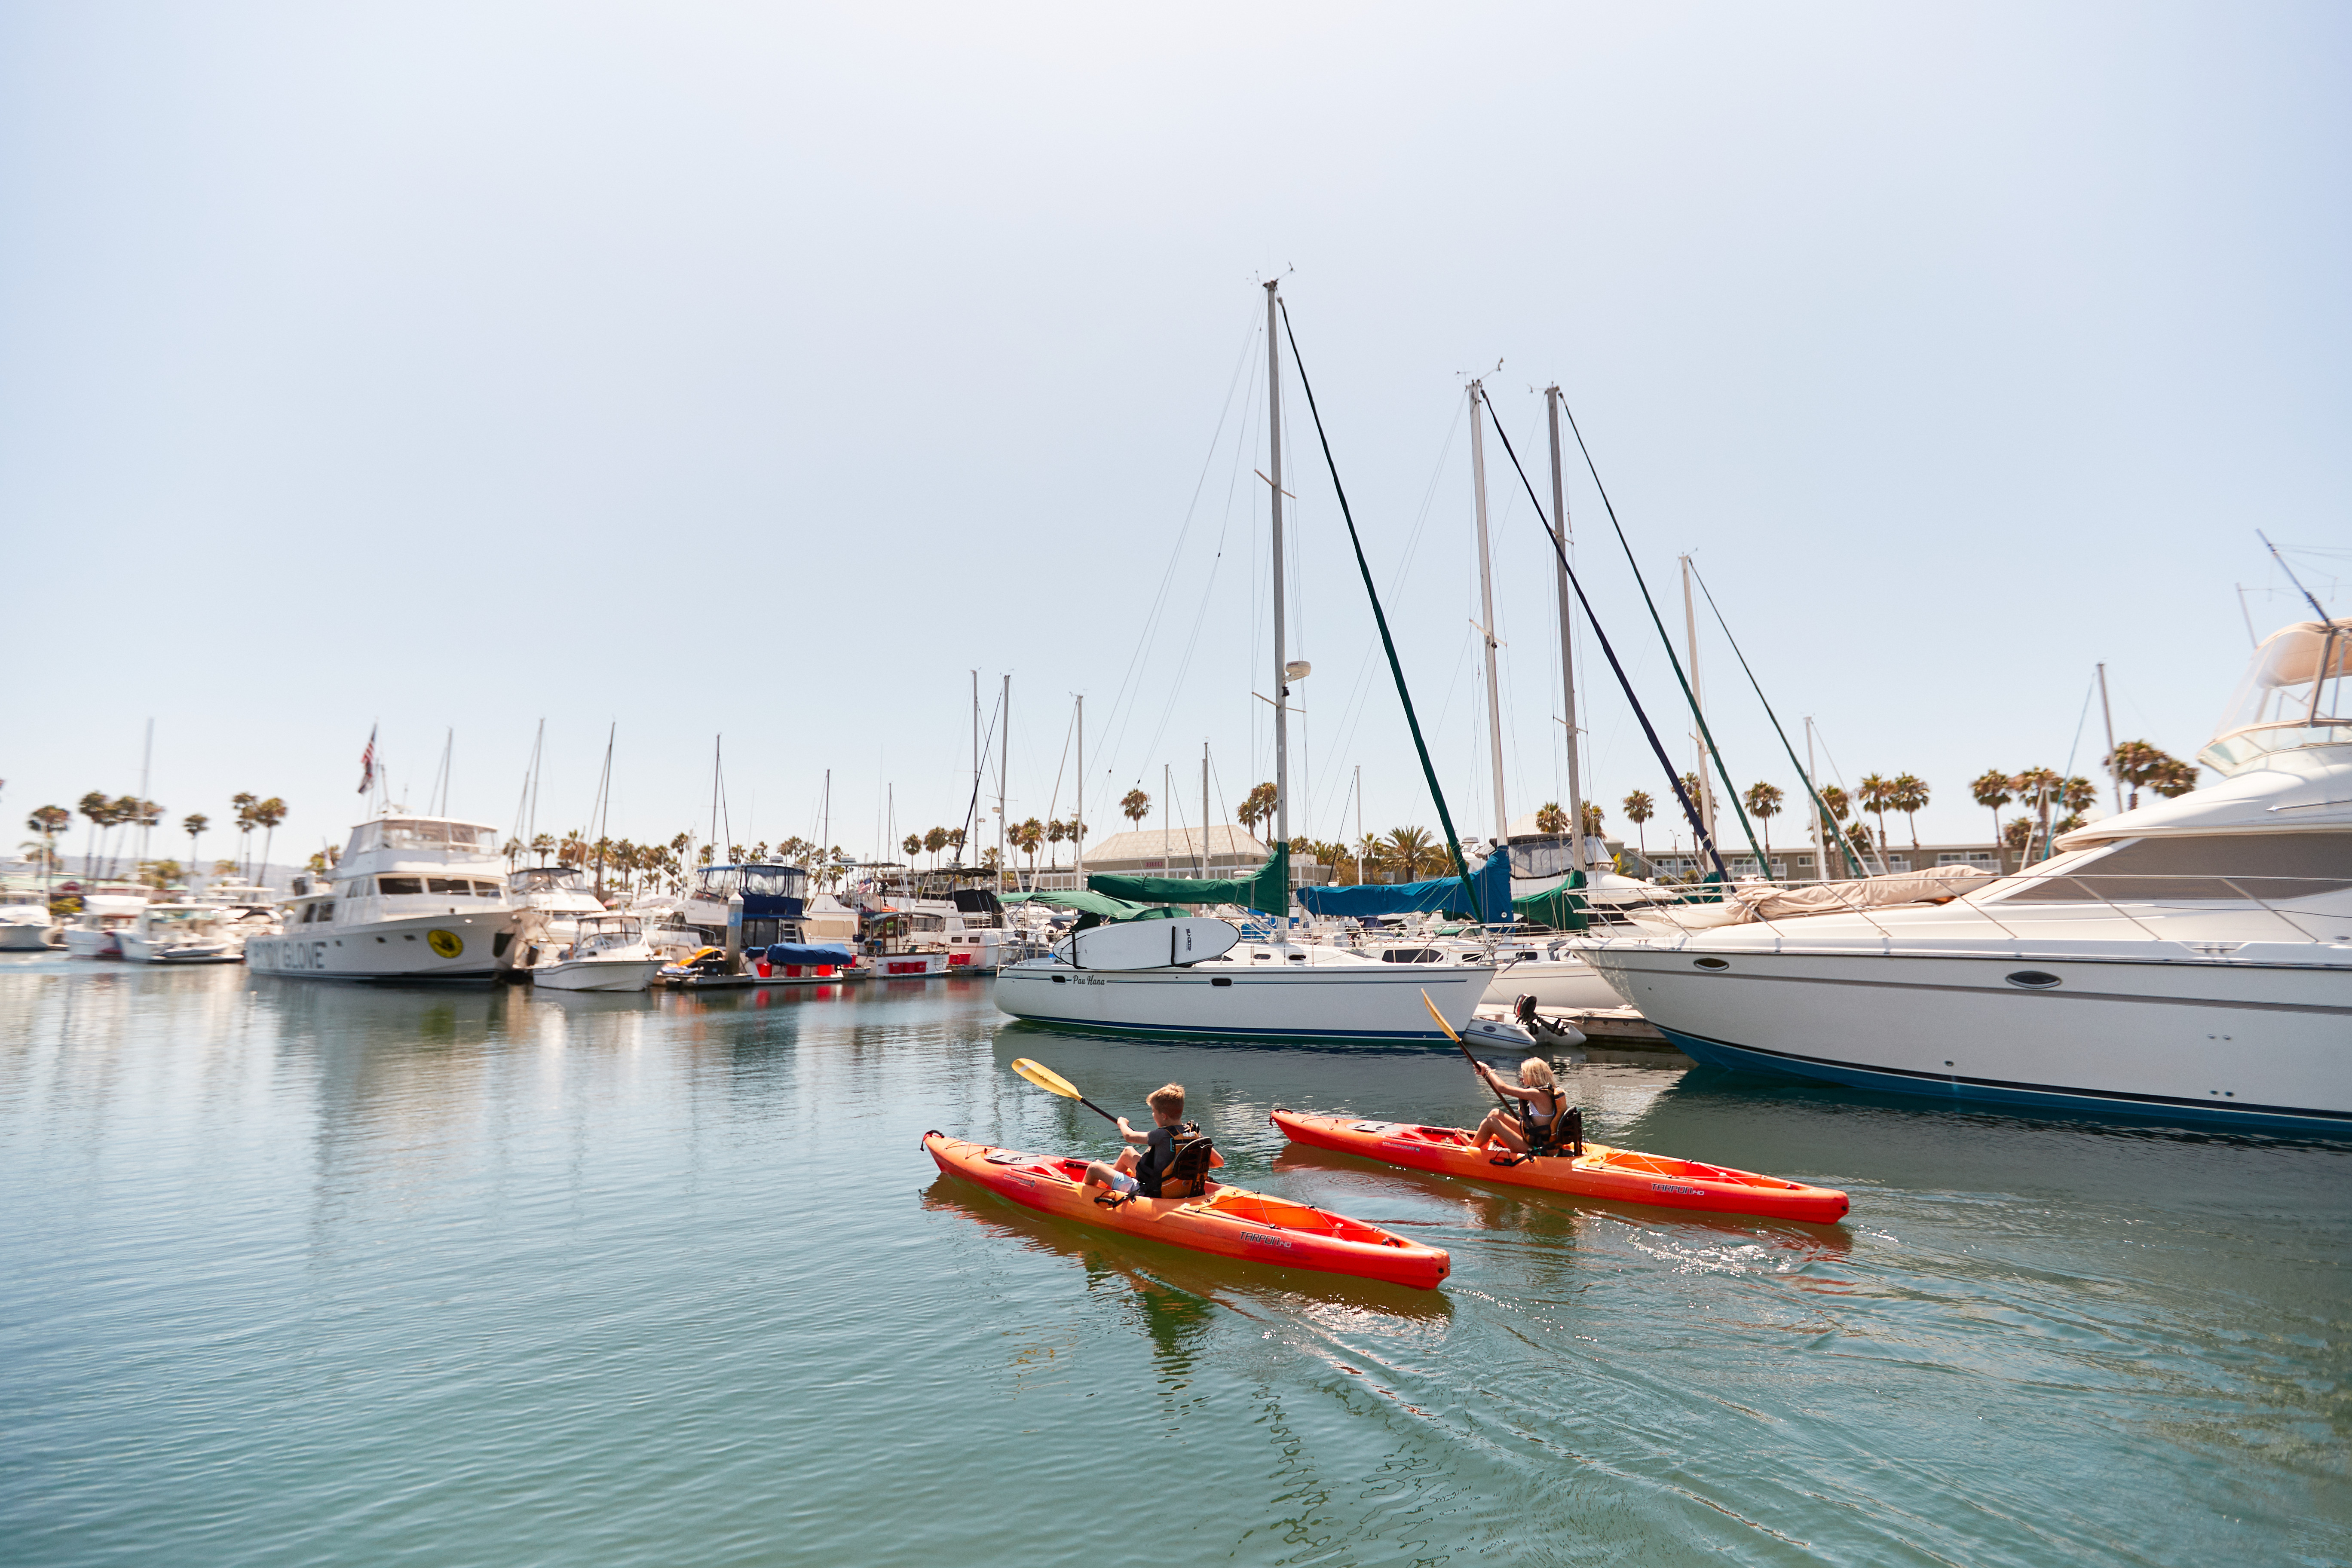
(1186, 1166)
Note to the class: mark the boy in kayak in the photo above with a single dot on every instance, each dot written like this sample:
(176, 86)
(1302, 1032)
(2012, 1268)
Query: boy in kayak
(1537, 1090)
(1137, 1175)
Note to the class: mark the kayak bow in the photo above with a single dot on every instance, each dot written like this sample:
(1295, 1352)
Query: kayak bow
(1228, 1221)
(1601, 1172)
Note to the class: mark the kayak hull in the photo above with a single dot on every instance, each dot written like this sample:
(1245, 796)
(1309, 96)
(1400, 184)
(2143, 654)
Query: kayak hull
(1621, 1175)
(1227, 1221)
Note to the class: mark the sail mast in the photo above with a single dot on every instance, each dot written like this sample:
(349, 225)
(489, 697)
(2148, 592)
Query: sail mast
(1487, 610)
(1566, 635)
(1281, 654)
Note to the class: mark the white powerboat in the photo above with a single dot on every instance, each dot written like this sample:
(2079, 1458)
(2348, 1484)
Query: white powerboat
(2189, 960)
(96, 932)
(413, 898)
(607, 952)
(25, 926)
(184, 931)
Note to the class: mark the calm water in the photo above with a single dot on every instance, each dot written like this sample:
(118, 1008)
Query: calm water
(294, 1272)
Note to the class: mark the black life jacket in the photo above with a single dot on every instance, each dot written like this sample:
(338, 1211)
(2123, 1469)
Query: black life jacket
(1184, 1167)
(1561, 1132)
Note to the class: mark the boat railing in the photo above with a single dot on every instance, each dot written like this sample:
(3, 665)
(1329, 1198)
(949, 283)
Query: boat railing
(2160, 893)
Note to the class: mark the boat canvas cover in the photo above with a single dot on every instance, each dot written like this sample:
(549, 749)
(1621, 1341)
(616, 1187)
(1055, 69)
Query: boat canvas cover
(1436, 895)
(1266, 892)
(811, 954)
(1099, 905)
(1560, 908)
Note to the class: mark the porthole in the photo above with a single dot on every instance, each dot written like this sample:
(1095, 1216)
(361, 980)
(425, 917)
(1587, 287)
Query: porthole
(1221, 980)
(1712, 964)
(2034, 979)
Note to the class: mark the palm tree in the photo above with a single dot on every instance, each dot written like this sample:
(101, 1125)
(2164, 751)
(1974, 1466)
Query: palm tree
(1639, 809)
(1878, 791)
(1026, 838)
(2038, 786)
(935, 841)
(245, 826)
(1991, 790)
(1550, 818)
(1055, 831)
(193, 826)
(1135, 805)
(573, 849)
(1411, 851)
(1592, 817)
(99, 809)
(912, 844)
(955, 842)
(2137, 762)
(1764, 804)
(2018, 834)
(1256, 806)
(1909, 795)
(48, 821)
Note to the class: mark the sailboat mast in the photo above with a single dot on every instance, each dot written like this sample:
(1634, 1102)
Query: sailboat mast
(2108, 713)
(1081, 816)
(1566, 636)
(1487, 609)
(1004, 749)
(825, 824)
(603, 805)
(1699, 709)
(1281, 653)
(1204, 807)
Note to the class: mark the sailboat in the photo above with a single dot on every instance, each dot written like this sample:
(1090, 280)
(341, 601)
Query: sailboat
(1280, 989)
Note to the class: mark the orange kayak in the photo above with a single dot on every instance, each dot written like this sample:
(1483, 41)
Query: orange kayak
(1227, 1221)
(1600, 1171)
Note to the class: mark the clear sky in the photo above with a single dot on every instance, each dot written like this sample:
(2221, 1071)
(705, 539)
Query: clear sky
(767, 371)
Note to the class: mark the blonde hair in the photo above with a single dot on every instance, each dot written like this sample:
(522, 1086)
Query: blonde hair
(1167, 1100)
(1536, 1073)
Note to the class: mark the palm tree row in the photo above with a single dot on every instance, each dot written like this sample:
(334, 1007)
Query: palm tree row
(110, 816)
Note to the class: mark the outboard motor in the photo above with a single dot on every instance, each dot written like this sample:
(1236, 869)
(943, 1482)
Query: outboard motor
(1524, 1010)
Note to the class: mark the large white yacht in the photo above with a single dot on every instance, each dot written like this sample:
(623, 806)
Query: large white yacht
(25, 924)
(96, 932)
(2189, 960)
(412, 898)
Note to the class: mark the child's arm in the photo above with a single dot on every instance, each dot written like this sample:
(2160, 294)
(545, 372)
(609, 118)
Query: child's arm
(1131, 1134)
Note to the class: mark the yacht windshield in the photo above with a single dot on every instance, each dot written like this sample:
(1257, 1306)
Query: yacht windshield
(2298, 677)
(465, 838)
(549, 879)
(775, 881)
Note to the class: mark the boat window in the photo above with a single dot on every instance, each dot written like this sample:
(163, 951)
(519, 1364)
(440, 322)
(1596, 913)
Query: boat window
(2232, 867)
(352, 888)
(930, 922)
(719, 882)
(774, 882)
(547, 879)
(1413, 955)
(401, 835)
(389, 886)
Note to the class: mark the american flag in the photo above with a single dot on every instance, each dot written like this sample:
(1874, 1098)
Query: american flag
(367, 764)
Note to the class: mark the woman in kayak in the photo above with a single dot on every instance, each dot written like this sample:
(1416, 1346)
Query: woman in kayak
(1138, 1176)
(1537, 1091)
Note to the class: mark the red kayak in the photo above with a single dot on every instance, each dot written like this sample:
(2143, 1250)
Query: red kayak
(1600, 1171)
(1226, 1220)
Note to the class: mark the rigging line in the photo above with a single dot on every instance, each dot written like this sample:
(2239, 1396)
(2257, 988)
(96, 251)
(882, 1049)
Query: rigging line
(1380, 617)
(1054, 801)
(987, 749)
(1151, 620)
(1852, 863)
(1690, 697)
(1560, 548)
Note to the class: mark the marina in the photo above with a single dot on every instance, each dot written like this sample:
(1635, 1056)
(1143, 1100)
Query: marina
(1317, 789)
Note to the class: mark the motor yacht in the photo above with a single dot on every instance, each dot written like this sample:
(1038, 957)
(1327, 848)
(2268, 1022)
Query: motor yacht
(411, 897)
(183, 930)
(96, 932)
(25, 926)
(2189, 960)
(606, 952)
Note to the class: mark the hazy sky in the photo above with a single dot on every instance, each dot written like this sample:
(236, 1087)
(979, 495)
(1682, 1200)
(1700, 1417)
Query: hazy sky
(767, 371)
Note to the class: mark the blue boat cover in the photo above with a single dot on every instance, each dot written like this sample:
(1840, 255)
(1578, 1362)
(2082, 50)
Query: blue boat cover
(1437, 895)
(811, 954)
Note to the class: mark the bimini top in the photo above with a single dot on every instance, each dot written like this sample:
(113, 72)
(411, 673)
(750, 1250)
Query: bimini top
(426, 838)
(2293, 695)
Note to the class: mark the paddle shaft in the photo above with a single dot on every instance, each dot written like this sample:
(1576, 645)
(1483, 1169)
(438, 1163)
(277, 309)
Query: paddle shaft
(1475, 1065)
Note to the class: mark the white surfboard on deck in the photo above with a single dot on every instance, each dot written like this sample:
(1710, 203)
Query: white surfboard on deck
(1147, 944)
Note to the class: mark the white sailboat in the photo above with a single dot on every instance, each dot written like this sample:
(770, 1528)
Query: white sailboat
(412, 898)
(1279, 989)
(2190, 960)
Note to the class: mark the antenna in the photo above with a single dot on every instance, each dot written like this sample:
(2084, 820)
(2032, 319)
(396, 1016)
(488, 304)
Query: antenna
(2317, 609)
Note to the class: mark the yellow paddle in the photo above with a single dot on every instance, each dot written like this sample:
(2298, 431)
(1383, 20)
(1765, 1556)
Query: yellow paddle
(1457, 1041)
(1052, 1082)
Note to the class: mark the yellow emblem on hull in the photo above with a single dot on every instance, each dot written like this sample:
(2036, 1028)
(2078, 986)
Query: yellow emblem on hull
(448, 943)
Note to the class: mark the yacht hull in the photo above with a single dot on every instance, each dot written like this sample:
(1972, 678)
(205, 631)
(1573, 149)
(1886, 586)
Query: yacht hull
(15, 937)
(1367, 1002)
(2233, 1042)
(402, 949)
(84, 943)
(143, 950)
(1562, 984)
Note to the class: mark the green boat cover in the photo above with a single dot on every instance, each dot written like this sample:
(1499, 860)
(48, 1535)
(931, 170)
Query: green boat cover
(1269, 891)
(1101, 906)
(1560, 908)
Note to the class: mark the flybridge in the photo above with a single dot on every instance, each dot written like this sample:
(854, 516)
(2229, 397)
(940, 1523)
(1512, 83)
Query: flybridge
(770, 892)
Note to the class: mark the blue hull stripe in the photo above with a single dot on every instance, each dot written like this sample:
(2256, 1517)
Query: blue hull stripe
(1226, 1032)
(1988, 1092)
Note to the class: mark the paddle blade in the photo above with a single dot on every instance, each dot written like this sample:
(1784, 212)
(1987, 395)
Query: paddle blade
(1433, 1013)
(1047, 1078)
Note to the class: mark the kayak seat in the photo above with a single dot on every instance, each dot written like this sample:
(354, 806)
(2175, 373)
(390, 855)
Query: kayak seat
(1188, 1174)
